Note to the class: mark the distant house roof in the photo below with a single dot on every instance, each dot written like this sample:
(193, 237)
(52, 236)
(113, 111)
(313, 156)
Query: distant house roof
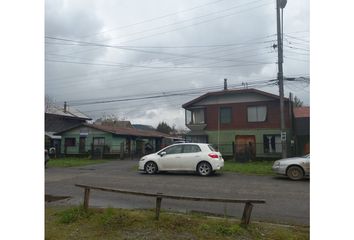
(70, 112)
(122, 131)
(229, 92)
(143, 127)
(302, 112)
(126, 124)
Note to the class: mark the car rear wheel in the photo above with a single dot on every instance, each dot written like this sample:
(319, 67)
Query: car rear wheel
(204, 169)
(150, 168)
(295, 173)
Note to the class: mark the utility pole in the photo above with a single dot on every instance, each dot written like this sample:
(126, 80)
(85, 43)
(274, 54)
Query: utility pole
(281, 4)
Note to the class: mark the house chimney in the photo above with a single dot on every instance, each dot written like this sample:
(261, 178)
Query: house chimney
(225, 84)
(64, 107)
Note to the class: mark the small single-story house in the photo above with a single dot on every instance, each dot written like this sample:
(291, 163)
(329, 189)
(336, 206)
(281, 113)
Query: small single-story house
(58, 119)
(109, 140)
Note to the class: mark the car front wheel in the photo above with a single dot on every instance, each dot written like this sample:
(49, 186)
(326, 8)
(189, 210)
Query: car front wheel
(150, 168)
(295, 173)
(204, 169)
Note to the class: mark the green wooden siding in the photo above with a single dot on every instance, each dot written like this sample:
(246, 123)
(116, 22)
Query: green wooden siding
(111, 140)
(226, 138)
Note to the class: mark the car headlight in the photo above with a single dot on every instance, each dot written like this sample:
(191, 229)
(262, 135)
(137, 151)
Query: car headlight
(276, 164)
(142, 159)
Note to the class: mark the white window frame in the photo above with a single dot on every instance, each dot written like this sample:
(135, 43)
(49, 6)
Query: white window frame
(257, 116)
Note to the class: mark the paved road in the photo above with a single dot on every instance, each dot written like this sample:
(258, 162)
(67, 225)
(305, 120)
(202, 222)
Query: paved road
(287, 201)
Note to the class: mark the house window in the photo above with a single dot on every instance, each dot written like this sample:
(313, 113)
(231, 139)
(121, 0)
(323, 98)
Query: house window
(197, 139)
(195, 116)
(257, 114)
(98, 141)
(70, 142)
(272, 144)
(225, 115)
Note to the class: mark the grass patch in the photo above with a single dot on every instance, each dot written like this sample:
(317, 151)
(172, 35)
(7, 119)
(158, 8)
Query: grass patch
(111, 223)
(72, 162)
(257, 167)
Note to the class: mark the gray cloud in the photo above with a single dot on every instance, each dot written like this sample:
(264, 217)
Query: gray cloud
(78, 73)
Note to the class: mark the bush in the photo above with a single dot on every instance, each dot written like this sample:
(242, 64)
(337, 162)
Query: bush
(73, 214)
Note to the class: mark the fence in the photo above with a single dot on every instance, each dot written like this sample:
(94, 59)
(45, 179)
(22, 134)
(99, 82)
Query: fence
(246, 152)
(246, 216)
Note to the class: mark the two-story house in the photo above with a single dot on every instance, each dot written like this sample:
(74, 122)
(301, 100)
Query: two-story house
(241, 123)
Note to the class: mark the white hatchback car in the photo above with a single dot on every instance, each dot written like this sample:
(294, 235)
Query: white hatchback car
(199, 157)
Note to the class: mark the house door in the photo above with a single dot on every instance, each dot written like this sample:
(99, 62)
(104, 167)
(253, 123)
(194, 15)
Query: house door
(82, 145)
(245, 147)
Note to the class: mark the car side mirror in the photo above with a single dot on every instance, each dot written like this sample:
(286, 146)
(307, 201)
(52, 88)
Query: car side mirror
(162, 154)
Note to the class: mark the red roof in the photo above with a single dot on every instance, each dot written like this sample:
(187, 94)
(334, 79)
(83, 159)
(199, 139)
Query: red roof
(302, 112)
(125, 131)
(128, 131)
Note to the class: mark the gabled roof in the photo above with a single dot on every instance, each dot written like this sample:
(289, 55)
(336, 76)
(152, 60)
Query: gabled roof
(121, 131)
(143, 127)
(302, 112)
(70, 112)
(230, 92)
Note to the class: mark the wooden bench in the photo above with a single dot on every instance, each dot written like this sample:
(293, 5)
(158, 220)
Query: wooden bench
(246, 216)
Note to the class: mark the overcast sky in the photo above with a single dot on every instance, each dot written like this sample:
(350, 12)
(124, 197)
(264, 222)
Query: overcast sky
(167, 52)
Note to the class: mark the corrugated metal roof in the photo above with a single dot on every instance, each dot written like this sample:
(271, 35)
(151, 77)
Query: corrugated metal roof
(302, 112)
(123, 131)
(128, 131)
(70, 112)
(51, 135)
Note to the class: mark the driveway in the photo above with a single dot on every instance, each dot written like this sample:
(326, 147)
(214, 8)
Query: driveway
(287, 201)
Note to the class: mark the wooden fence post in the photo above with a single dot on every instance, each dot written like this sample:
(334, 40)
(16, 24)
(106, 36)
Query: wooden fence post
(86, 198)
(158, 206)
(247, 213)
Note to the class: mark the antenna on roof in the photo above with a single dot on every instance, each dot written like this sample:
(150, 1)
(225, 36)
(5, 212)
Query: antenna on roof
(225, 84)
(65, 107)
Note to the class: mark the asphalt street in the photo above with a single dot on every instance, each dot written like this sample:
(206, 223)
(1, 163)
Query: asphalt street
(286, 201)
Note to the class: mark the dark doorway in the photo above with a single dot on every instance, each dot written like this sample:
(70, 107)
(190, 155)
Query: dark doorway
(245, 148)
(82, 145)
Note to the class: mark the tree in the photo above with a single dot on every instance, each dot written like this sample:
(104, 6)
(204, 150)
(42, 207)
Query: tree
(164, 127)
(48, 102)
(112, 120)
(298, 102)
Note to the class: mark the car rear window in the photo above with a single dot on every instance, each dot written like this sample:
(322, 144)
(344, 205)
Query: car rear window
(211, 148)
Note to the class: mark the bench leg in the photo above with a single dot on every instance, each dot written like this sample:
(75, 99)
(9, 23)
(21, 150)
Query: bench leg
(86, 198)
(158, 207)
(246, 217)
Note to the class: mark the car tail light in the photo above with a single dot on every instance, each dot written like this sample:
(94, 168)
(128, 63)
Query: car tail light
(213, 155)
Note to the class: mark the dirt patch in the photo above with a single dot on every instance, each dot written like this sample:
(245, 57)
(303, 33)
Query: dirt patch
(51, 198)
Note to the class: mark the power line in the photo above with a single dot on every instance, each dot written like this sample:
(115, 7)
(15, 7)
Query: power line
(154, 19)
(176, 29)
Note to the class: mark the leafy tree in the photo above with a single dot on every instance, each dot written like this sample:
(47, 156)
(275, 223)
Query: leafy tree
(298, 102)
(164, 128)
(48, 102)
(112, 120)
